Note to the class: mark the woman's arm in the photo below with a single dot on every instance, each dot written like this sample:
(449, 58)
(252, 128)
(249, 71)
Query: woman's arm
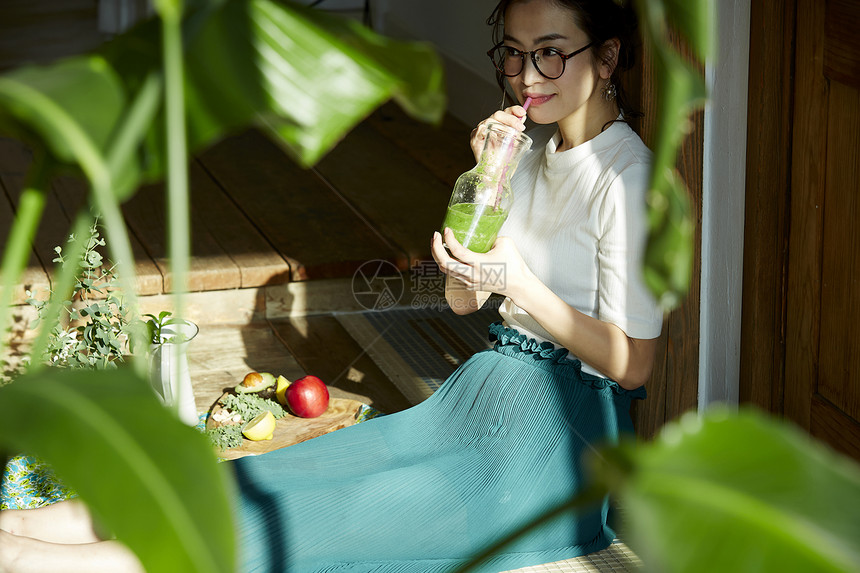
(603, 345)
(461, 299)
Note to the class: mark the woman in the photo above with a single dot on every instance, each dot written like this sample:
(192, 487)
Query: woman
(500, 442)
(579, 207)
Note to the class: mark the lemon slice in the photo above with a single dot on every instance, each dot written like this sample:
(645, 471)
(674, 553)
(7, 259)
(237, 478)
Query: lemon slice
(261, 427)
(281, 390)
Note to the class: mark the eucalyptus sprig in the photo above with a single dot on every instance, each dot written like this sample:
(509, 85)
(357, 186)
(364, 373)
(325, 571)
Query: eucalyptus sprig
(92, 331)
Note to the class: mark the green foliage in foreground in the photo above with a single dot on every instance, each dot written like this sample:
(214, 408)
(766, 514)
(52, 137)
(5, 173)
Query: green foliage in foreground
(146, 476)
(737, 492)
(680, 91)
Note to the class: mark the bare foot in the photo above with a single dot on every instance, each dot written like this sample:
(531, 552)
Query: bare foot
(20, 554)
(63, 522)
(9, 550)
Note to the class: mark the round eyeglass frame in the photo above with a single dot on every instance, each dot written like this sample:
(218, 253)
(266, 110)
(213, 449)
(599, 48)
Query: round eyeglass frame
(533, 54)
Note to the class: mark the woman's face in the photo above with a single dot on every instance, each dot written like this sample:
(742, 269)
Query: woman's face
(534, 24)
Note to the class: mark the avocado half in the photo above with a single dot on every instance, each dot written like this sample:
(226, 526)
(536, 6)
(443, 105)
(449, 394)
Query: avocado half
(255, 382)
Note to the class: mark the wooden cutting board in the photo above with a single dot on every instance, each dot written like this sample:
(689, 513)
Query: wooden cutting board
(291, 429)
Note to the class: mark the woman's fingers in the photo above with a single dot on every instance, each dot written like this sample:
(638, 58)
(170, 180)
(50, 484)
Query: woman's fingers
(513, 116)
(437, 249)
(450, 265)
(458, 251)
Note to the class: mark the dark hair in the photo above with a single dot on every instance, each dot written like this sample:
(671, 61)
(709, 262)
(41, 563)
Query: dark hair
(601, 20)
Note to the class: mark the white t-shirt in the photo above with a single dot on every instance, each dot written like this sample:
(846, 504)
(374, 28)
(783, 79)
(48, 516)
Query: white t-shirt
(579, 220)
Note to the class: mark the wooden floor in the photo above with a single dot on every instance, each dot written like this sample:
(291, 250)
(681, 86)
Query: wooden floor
(258, 219)
(275, 247)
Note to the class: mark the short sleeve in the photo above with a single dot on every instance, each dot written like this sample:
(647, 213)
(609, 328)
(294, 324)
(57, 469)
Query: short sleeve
(623, 297)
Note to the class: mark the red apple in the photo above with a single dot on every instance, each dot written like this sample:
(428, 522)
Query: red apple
(307, 397)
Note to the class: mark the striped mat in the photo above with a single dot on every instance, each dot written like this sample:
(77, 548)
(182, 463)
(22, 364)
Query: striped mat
(419, 348)
(617, 558)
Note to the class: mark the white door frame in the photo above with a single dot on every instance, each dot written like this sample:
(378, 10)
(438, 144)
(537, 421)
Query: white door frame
(724, 186)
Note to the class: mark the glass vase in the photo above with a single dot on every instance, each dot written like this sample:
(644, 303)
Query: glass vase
(170, 375)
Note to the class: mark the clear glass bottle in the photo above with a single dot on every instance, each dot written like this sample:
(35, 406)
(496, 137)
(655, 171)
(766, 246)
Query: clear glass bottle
(482, 196)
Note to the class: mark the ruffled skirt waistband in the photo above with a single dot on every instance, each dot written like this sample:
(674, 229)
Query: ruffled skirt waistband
(511, 342)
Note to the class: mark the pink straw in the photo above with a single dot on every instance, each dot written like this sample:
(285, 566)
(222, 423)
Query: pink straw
(527, 103)
(510, 151)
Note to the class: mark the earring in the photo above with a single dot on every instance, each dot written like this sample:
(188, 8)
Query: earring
(609, 90)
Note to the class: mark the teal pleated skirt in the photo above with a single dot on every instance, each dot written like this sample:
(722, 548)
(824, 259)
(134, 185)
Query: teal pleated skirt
(422, 490)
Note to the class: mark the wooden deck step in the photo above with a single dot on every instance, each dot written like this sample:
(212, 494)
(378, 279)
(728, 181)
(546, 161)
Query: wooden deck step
(258, 220)
(71, 194)
(305, 220)
(400, 198)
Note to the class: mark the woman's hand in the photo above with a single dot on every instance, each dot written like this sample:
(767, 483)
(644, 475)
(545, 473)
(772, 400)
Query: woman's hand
(501, 270)
(513, 116)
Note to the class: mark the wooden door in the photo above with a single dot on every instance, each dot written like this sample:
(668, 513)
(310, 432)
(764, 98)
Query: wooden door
(800, 342)
(822, 384)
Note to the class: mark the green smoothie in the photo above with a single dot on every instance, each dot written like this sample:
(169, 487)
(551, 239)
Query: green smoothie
(475, 225)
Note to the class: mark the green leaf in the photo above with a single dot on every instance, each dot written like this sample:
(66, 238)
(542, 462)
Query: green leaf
(21, 235)
(301, 75)
(695, 20)
(669, 253)
(737, 492)
(146, 476)
(71, 106)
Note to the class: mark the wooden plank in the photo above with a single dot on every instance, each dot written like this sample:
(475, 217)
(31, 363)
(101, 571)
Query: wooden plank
(210, 267)
(15, 157)
(220, 356)
(71, 193)
(830, 425)
(649, 415)
(259, 263)
(841, 41)
(306, 221)
(66, 196)
(839, 360)
(397, 195)
(807, 196)
(45, 30)
(325, 349)
(762, 373)
(442, 149)
(683, 323)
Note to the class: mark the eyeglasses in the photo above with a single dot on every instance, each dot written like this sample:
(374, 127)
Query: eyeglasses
(549, 62)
